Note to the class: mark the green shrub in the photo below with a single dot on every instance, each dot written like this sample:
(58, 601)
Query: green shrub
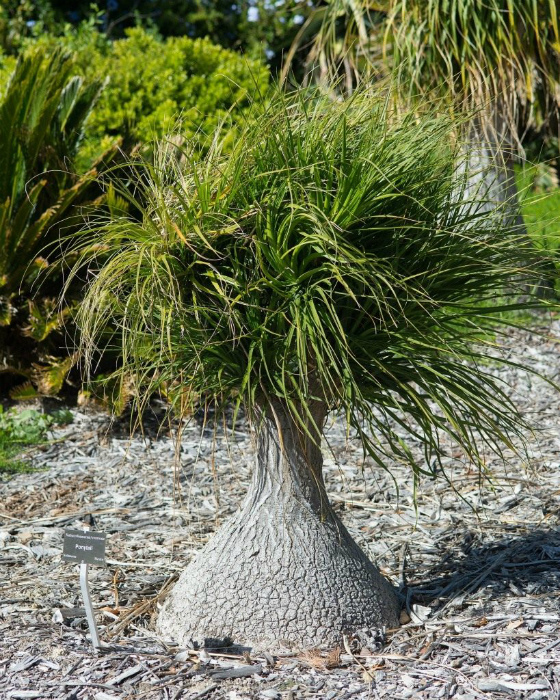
(151, 82)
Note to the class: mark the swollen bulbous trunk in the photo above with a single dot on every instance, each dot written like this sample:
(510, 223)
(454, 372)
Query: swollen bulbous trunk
(284, 571)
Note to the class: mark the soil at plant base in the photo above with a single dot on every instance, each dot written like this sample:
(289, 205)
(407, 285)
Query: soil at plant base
(478, 564)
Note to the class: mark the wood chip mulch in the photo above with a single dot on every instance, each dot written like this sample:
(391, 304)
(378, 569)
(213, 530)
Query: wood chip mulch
(478, 564)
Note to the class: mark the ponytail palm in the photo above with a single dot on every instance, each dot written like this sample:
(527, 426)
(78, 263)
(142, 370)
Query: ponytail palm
(337, 260)
(478, 53)
(497, 54)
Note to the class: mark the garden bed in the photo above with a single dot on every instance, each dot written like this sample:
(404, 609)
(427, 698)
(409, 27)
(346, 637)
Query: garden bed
(479, 568)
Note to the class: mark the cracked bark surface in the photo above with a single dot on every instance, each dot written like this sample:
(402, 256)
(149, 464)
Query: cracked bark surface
(284, 571)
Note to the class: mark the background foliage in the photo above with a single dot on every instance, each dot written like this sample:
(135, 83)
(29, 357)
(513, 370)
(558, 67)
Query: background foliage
(150, 83)
(255, 28)
(501, 57)
(498, 61)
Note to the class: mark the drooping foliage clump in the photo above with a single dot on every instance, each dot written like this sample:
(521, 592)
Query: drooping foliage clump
(499, 60)
(338, 254)
(482, 53)
(477, 53)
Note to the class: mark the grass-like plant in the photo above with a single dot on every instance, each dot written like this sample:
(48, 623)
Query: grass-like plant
(337, 260)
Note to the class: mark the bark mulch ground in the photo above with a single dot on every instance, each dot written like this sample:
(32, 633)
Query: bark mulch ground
(478, 565)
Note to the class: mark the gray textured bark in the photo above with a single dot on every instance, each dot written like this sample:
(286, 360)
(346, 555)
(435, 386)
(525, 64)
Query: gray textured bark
(493, 180)
(283, 572)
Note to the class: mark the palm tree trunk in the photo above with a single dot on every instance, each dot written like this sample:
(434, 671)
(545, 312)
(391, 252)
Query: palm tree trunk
(500, 189)
(284, 572)
(492, 178)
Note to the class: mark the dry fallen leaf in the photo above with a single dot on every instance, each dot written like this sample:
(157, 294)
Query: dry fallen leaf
(420, 613)
(333, 658)
(321, 660)
(314, 658)
(481, 622)
(404, 617)
(514, 624)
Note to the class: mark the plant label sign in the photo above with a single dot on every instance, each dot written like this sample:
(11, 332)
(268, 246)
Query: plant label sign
(84, 547)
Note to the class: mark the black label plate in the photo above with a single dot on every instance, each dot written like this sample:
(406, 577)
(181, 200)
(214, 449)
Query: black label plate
(84, 547)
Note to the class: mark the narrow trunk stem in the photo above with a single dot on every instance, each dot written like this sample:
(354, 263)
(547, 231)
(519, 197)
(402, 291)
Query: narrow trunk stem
(289, 463)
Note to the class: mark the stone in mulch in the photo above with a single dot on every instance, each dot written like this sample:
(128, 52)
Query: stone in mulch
(478, 564)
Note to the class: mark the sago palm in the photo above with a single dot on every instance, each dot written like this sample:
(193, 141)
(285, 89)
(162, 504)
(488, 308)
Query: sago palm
(43, 110)
(336, 261)
(42, 113)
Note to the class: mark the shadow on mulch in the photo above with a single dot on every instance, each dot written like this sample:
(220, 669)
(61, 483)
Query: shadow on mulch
(523, 565)
(157, 421)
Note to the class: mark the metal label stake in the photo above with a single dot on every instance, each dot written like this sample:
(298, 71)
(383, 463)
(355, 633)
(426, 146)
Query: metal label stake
(84, 585)
(86, 547)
